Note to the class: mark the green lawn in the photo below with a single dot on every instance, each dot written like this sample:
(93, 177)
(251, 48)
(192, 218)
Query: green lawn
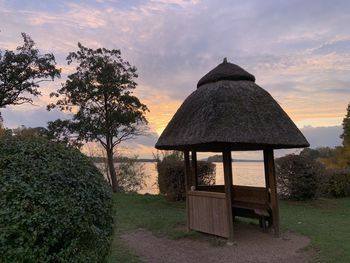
(325, 221)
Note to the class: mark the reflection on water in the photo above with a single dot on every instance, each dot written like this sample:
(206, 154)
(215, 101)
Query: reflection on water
(244, 173)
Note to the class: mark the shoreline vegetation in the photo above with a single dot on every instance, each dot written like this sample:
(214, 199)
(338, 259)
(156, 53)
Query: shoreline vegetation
(212, 159)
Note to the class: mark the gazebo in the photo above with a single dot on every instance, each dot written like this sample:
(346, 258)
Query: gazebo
(229, 112)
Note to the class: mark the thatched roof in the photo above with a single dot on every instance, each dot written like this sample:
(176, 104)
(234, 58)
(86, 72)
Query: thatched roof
(225, 71)
(229, 111)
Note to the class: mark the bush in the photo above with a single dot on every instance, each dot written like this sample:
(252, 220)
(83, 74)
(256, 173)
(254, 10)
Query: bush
(336, 183)
(171, 176)
(55, 205)
(297, 177)
(130, 175)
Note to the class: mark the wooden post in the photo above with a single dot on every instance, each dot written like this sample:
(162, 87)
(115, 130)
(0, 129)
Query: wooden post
(267, 184)
(187, 185)
(267, 179)
(227, 160)
(269, 163)
(194, 169)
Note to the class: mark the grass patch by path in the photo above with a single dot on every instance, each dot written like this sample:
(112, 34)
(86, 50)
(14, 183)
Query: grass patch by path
(325, 221)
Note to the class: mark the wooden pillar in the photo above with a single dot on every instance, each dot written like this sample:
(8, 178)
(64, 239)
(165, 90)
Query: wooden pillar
(270, 174)
(227, 160)
(187, 185)
(194, 169)
(267, 179)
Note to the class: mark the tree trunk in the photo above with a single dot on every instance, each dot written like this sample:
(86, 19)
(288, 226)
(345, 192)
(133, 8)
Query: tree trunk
(111, 168)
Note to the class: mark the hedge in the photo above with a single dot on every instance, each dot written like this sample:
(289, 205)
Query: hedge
(298, 177)
(55, 205)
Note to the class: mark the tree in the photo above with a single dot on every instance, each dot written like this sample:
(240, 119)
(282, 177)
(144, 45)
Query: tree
(22, 70)
(346, 128)
(99, 96)
(344, 157)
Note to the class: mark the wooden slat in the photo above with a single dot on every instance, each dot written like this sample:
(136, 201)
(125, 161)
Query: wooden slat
(227, 160)
(207, 194)
(208, 213)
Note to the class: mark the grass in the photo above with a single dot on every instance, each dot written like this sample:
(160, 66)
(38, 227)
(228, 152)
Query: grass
(325, 221)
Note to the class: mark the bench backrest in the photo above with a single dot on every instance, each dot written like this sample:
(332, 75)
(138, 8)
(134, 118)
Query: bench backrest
(242, 196)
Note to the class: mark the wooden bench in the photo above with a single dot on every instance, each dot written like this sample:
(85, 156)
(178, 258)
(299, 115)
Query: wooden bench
(247, 201)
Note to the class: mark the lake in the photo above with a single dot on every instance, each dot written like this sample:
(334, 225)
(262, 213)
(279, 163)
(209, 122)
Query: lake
(244, 173)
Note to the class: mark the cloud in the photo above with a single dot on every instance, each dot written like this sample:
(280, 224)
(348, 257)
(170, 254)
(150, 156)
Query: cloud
(323, 136)
(298, 50)
(35, 117)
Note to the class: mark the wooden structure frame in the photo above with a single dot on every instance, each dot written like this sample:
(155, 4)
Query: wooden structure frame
(229, 112)
(212, 209)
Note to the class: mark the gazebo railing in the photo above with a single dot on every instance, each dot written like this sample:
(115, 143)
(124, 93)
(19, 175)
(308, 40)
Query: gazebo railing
(208, 212)
(207, 206)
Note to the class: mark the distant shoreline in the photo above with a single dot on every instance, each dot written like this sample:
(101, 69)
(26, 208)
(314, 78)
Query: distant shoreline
(116, 160)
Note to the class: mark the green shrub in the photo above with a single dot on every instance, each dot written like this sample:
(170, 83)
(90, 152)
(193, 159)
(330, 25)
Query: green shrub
(55, 205)
(131, 175)
(336, 183)
(171, 176)
(297, 177)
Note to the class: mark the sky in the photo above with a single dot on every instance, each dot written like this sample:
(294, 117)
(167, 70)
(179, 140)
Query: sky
(299, 51)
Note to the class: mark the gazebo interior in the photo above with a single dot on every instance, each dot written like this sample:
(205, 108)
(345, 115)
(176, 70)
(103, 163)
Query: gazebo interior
(213, 208)
(229, 112)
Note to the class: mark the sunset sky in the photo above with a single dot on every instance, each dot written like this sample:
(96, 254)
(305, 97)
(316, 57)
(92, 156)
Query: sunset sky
(299, 51)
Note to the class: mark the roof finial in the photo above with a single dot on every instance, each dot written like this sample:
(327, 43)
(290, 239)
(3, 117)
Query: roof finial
(225, 60)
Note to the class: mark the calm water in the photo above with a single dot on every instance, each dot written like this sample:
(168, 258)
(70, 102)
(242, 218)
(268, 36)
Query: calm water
(244, 173)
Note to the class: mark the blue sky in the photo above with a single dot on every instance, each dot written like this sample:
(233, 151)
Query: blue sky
(299, 51)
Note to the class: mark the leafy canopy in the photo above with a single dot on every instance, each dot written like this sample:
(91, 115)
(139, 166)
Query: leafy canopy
(22, 70)
(346, 128)
(100, 95)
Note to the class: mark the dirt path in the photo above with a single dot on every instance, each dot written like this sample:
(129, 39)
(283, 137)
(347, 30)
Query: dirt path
(251, 245)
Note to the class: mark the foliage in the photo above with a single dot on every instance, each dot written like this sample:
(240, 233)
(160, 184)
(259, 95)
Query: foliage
(346, 128)
(55, 205)
(130, 175)
(336, 183)
(28, 132)
(130, 171)
(99, 94)
(332, 158)
(22, 70)
(171, 175)
(318, 153)
(297, 177)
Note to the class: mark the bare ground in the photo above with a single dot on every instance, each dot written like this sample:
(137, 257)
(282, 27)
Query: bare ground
(251, 245)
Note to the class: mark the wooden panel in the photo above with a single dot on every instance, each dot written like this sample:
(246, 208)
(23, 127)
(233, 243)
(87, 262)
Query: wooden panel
(211, 188)
(207, 194)
(208, 212)
(247, 194)
(255, 195)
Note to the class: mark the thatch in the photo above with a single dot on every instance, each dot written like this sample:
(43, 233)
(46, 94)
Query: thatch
(230, 114)
(225, 71)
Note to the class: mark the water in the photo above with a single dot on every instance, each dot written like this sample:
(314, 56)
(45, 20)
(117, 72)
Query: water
(244, 173)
